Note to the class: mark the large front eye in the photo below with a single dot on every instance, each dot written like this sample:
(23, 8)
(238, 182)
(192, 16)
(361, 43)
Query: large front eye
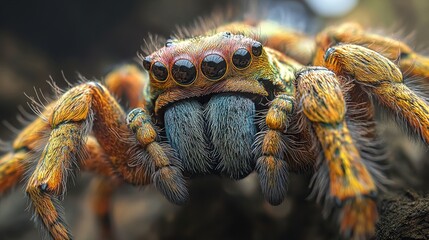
(184, 72)
(159, 71)
(213, 66)
(241, 58)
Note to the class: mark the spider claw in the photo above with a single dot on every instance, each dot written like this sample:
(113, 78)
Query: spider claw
(171, 183)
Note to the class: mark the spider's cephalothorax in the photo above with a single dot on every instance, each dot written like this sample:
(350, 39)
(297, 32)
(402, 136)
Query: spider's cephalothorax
(228, 105)
(208, 95)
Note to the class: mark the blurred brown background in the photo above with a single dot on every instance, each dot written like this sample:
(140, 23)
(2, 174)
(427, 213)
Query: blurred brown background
(49, 38)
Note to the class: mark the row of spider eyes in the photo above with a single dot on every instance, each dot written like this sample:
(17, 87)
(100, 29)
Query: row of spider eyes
(213, 66)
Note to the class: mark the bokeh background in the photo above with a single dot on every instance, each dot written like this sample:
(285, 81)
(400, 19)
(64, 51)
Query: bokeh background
(51, 39)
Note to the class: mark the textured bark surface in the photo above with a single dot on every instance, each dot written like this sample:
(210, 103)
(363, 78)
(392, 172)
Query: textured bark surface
(404, 216)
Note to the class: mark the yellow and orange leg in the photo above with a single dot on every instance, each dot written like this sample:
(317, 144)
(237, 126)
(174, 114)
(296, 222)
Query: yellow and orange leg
(271, 165)
(410, 62)
(48, 208)
(47, 183)
(102, 187)
(82, 108)
(70, 122)
(382, 79)
(341, 177)
(12, 169)
(168, 177)
(25, 148)
(130, 84)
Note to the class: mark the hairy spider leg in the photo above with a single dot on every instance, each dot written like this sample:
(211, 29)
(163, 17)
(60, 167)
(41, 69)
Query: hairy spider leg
(86, 107)
(168, 177)
(102, 186)
(26, 145)
(126, 81)
(271, 164)
(410, 62)
(129, 85)
(382, 79)
(12, 168)
(341, 177)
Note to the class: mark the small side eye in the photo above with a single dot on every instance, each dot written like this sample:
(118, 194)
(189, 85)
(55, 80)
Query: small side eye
(241, 58)
(184, 72)
(257, 49)
(147, 61)
(169, 43)
(213, 66)
(159, 71)
(226, 34)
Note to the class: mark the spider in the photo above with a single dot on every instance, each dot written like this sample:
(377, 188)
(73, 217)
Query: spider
(230, 100)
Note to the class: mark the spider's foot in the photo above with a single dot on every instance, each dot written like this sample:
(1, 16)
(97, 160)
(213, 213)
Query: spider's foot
(170, 182)
(273, 178)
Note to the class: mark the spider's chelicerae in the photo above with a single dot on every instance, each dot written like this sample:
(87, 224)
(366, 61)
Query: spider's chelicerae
(229, 101)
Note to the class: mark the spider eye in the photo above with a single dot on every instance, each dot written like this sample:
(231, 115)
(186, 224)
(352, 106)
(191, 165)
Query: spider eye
(241, 58)
(213, 66)
(147, 61)
(159, 71)
(184, 72)
(257, 49)
(169, 43)
(226, 34)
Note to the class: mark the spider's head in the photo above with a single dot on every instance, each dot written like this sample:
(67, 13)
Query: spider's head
(201, 66)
